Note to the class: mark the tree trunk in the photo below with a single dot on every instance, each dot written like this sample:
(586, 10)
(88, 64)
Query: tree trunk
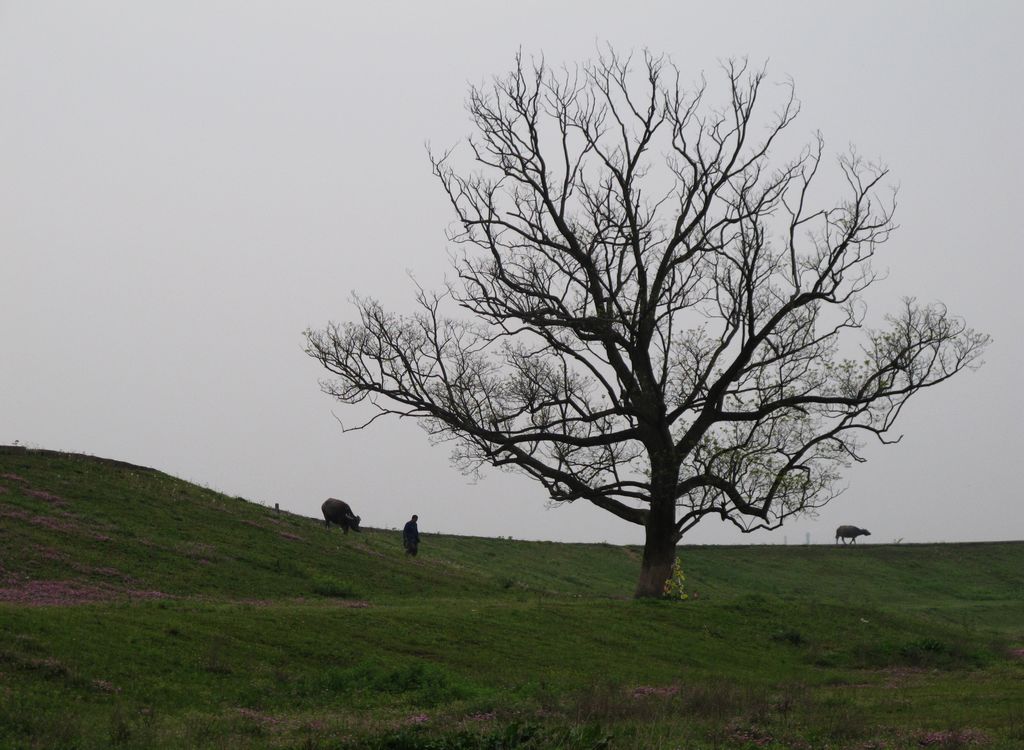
(659, 553)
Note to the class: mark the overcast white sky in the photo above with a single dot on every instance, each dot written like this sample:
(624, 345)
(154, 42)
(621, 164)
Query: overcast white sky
(185, 186)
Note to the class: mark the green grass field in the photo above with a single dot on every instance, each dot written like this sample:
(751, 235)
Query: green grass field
(140, 611)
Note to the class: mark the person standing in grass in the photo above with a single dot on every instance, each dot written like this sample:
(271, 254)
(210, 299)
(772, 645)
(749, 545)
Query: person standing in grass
(411, 536)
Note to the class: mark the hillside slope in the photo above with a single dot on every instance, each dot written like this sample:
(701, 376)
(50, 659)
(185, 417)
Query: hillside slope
(109, 529)
(138, 610)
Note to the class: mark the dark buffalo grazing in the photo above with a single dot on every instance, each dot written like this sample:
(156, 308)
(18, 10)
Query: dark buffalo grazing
(339, 512)
(851, 533)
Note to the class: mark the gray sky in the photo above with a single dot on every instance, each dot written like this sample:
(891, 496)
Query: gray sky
(186, 186)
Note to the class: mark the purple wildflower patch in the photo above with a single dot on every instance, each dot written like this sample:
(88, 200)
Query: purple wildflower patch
(92, 570)
(142, 594)
(257, 717)
(952, 738)
(66, 593)
(643, 691)
(53, 524)
(48, 497)
(52, 593)
(751, 736)
(50, 553)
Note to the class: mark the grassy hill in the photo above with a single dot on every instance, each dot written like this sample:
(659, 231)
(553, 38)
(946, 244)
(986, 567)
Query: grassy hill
(137, 610)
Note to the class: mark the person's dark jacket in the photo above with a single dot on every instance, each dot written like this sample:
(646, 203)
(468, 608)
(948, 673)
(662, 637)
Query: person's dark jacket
(411, 533)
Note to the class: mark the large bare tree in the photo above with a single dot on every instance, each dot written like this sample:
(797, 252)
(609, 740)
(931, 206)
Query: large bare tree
(648, 315)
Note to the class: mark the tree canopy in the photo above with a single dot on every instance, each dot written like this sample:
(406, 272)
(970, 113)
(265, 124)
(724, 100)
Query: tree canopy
(648, 311)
